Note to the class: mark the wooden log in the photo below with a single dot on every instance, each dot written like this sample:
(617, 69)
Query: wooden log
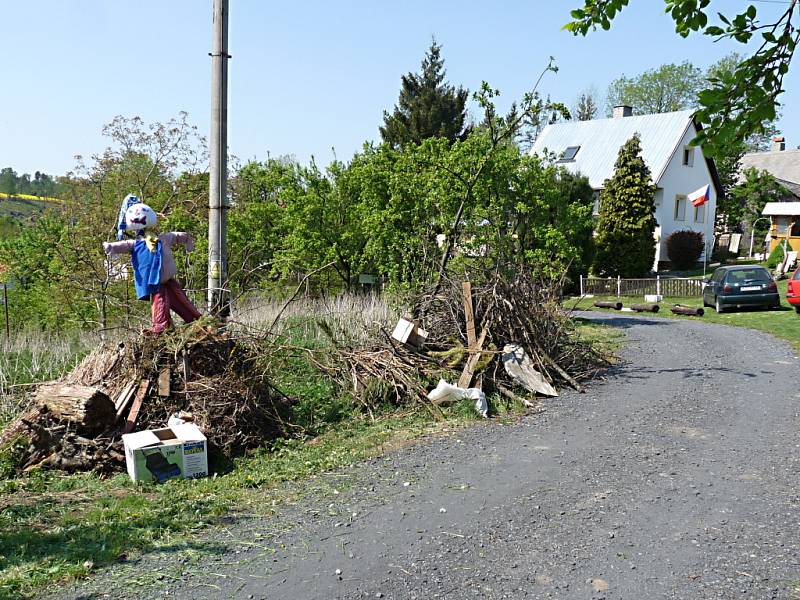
(691, 311)
(646, 307)
(88, 408)
(605, 304)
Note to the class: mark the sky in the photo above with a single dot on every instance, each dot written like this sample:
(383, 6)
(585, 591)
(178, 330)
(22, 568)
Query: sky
(306, 78)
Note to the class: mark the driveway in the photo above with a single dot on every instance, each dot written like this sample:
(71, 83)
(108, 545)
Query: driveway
(676, 477)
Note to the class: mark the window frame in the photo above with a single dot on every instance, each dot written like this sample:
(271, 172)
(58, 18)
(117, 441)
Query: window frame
(688, 156)
(678, 199)
(701, 210)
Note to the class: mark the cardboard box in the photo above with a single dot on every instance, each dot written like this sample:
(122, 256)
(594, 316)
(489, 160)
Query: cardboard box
(161, 454)
(408, 332)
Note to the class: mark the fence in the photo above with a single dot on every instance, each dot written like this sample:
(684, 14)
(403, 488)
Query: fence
(673, 286)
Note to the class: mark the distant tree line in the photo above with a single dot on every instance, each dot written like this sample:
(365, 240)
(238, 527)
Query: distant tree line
(40, 184)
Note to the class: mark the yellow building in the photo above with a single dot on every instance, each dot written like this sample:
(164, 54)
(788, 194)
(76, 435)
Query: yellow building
(785, 223)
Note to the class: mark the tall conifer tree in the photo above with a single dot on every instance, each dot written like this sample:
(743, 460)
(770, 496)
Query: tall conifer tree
(625, 244)
(427, 107)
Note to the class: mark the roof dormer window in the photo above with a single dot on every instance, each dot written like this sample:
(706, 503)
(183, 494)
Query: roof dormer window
(569, 154)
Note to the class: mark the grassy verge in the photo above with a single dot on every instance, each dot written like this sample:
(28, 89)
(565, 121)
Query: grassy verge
(783, 323)
(55, 527)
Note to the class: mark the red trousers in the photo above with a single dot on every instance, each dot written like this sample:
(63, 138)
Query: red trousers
(170, 296)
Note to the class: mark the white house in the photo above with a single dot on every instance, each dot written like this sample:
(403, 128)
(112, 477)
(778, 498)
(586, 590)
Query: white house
(678, 169)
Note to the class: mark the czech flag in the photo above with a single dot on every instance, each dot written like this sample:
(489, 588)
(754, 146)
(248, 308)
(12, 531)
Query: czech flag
(700, 196)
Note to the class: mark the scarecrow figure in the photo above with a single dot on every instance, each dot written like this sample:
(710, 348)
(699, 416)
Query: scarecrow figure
(154, 268)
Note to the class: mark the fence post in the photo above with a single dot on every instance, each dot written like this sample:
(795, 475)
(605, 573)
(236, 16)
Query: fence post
(619, 287)
(658, 285)
(5, 309)
(581, 286)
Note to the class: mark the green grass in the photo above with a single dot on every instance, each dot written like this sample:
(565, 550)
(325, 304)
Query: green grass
(783, 324)
(55, 527)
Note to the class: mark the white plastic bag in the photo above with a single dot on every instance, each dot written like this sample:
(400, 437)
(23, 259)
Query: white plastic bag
(446, 393)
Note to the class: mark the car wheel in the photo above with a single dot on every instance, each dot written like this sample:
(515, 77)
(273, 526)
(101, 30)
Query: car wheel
(718, 307)
(797, 309)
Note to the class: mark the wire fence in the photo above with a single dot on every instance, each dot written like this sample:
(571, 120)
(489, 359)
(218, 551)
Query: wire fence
(681, 287)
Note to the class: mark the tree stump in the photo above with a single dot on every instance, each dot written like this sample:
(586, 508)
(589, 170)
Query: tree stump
(88, 408)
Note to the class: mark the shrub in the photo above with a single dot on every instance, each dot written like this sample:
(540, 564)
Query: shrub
(625, 245)
(775, 257)
(684, 248)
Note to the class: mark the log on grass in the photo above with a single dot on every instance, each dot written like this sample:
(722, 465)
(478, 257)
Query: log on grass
(605, 304)
(687, 310)
(88, 408)
(646, 307)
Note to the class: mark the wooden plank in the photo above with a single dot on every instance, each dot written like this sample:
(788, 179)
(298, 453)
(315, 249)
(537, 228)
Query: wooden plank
(137, 405)
(468, 311)
(472, 361)
(125, 396)
(164, 382)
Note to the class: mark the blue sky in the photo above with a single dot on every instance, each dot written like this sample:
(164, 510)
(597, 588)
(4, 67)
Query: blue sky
(306, 77)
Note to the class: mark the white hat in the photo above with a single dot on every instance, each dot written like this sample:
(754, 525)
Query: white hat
(140, 216)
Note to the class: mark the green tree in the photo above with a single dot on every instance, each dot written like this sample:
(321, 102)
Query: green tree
(625, 244)
(8, 181)
(427, 106)
(736, 105)
(747, 199)
(667, 88)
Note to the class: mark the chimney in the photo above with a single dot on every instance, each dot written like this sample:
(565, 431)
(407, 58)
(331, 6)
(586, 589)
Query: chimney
(778, 144)
(622, 111)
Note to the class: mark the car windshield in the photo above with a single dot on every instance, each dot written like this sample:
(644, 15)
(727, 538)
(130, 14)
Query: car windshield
(743, 275)
(796, 275)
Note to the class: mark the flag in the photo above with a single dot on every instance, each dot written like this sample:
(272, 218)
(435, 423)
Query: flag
(700, 197)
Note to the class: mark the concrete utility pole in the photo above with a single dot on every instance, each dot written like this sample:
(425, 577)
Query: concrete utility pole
(218, 299)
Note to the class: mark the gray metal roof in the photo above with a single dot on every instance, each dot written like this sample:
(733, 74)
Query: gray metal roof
(781, 209)
(782, 165)
(601, 139)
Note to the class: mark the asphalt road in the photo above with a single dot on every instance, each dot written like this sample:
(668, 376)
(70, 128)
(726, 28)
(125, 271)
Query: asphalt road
(676, 477)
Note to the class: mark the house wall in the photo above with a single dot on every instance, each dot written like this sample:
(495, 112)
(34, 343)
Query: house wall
(681, 179)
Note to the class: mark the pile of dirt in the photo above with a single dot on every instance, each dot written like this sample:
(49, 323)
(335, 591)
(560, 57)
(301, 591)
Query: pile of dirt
(198, 371)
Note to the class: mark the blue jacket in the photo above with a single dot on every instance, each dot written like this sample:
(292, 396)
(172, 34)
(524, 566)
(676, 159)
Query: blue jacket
(146, 269)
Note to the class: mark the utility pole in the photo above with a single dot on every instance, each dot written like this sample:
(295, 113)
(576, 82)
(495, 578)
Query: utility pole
(218, 299)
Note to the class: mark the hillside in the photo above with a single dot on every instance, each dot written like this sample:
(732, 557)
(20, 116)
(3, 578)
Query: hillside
(23, 207)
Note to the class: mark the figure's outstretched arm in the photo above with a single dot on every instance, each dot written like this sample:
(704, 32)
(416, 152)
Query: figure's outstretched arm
(123, 247)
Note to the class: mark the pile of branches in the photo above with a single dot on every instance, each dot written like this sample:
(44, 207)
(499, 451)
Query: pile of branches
(199, 372)
(516, 308)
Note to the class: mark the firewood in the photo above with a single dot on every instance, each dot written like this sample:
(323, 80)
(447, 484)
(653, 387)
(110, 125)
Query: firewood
(88, 408)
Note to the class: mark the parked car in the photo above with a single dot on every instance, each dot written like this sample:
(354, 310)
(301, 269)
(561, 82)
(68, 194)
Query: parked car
(793, 290)
(741, 285)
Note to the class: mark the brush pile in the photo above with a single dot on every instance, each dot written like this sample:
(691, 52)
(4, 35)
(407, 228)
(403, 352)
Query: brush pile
(506, 335)
(209, 377)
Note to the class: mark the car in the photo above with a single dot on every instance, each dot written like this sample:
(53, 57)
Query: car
(793, 290)
(741, 285)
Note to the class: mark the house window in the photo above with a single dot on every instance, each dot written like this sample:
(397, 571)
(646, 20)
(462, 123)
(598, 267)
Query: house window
(688, 156)
(782, 225)
(596, 205)
(569, 154)
(700, 213)
(680, 208)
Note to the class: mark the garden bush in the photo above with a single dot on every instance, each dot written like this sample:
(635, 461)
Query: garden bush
(775, 257)
(684, 248)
